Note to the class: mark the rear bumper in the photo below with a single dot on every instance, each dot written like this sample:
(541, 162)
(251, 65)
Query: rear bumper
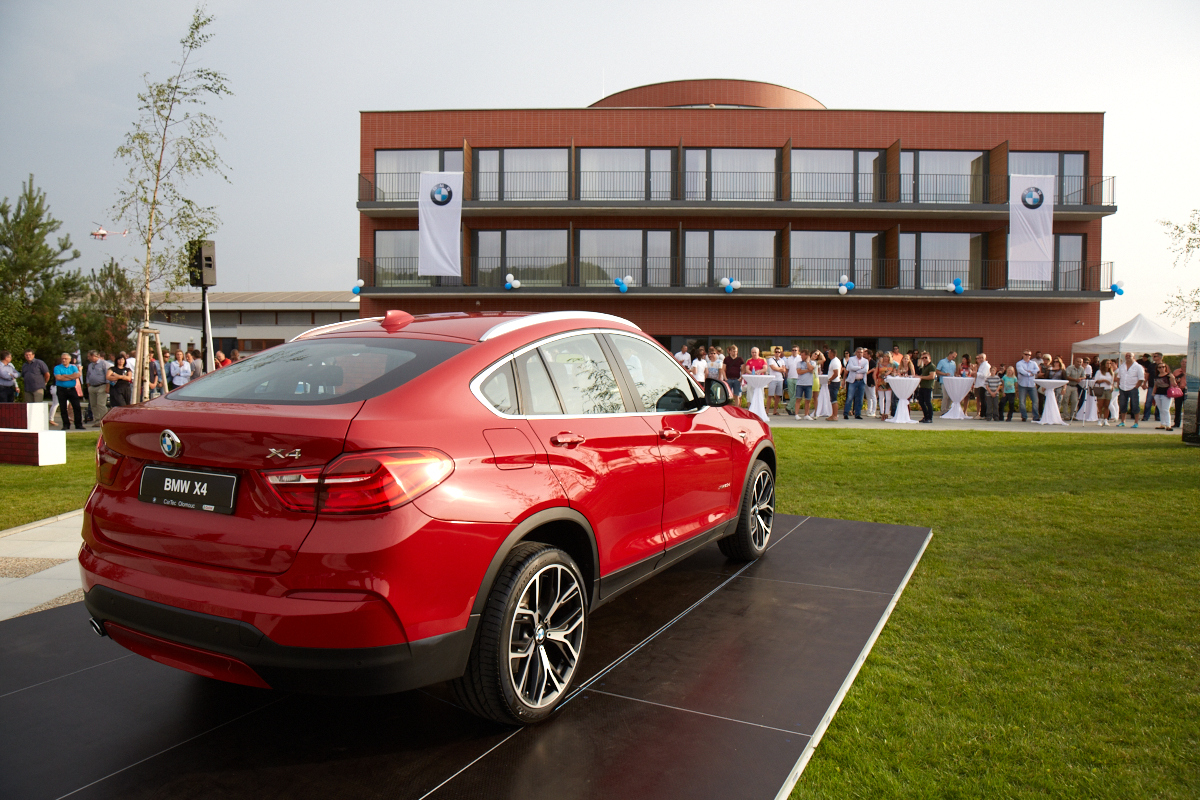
(309, 670)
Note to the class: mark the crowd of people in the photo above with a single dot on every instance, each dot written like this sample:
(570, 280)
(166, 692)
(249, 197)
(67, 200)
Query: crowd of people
(105, 380)
(812, 385)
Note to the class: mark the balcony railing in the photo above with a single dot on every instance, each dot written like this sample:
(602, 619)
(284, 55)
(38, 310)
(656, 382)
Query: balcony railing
(697, 272)
(753, 187)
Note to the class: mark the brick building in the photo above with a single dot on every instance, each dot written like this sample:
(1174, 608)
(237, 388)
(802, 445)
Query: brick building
(678, 185)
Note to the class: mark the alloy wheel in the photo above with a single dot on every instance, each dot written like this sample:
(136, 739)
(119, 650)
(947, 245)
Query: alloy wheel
(762, 509)
(546, 636)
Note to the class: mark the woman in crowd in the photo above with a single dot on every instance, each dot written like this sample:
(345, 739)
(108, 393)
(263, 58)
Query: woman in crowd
(1180, 381)
(1163, 382)
(883, 368)
(1102, 390)
(712, 371)
(731, 373)
(1057, 372)
(824, 403)
(966, 369)
(1010, 392)
(699, 365)
(120, 383)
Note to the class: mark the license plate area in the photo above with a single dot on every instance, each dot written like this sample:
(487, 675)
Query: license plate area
(182, 488)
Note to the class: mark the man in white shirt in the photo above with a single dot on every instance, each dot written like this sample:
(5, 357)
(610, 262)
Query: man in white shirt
(856, 383)
(793, 375)
(684, 358)
(833, 375)
(777, 369)
(983, 371)
(1130, 378)
(805, 370)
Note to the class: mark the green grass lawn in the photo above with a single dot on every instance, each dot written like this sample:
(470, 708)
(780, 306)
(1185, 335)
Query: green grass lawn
(33, 493)
(1046, 645)
(1047, 642)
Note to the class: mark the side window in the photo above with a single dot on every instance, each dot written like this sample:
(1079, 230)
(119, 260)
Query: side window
(501, 390)
(585, 380)
(540, 395)
(657, 377)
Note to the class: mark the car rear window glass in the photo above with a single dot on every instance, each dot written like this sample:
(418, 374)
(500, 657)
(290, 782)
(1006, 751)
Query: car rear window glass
(539, 392)
(320, 372)
(501, 390)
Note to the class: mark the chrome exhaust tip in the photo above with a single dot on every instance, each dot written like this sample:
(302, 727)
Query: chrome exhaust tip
(98, 627)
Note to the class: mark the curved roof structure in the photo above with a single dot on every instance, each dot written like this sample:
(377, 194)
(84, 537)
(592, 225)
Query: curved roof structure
(716, 92)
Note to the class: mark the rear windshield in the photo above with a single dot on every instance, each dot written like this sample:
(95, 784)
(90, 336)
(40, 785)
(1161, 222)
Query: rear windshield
(320, 372)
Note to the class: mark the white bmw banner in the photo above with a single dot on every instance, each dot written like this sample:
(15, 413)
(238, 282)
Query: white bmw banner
(439, 211)
(1031, 227)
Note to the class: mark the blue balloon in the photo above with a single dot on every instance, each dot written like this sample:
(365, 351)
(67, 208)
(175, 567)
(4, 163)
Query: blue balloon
(1120, 290)
(624, 288)
(729, 288)
(958, 281)
(617, 281)
(508, 286)
(850, 285)
(958, 289)
(356, 290)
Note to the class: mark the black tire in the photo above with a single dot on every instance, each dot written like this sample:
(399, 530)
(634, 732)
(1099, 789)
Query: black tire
(537, 605)
(755, 518)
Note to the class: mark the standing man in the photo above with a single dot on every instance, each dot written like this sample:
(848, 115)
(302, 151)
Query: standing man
(1151, 371)
(1130, 378)
(683, 357)
(793, 377)
(946, 367)
(1070, 395)
(1027, 372)
(36, 375)
(777, 369)
(983, 371)
(97, 385)
(833, 372)
(856, 383)
(805, 369)
(66, 379)
(927, 373)
(8, 378)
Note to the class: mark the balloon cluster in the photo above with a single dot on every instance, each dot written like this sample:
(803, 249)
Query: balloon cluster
(729, 284)
(955, 286)
(510, 282)
(358, 286)
(1118, 287)
(623, 284)
(845, 285)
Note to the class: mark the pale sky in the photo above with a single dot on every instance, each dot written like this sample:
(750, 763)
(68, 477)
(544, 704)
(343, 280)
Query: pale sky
(70, 72)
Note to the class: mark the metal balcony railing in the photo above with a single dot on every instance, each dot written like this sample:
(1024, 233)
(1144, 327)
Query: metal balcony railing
(502, 186)
(632, 185)
(597, 271)
(492, 271)
(400, 271)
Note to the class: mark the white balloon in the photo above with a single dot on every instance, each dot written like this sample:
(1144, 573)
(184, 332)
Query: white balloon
(845, 278)
(737, 284)
(1120, 284)
(724, 282)
(949, 287)
(842, 290)
(360, 282)
(629, 280)
(516, 284)
(508, 278)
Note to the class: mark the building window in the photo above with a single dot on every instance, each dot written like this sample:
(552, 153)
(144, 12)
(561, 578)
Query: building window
(295, 318)
(534, 257)
(398, 172)
(326, 317)
(820, 258)
(747, 256)
(397, 254)
(258, 317)
(622, 173)
(223, 319)
(605, 255)
(836, 176)
(949, 176)
(522, 174)
(1070, 168)
(1069, 266)
(740, 174)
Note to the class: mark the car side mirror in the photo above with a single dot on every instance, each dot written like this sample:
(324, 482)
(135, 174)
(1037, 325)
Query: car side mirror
(717, 394)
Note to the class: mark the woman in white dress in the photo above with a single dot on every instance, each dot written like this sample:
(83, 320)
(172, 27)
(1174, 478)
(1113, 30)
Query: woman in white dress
(824, 404)
(1101, 391)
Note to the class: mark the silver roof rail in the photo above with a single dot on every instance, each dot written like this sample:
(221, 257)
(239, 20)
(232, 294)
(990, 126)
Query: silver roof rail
(552, 316)
(331, 327)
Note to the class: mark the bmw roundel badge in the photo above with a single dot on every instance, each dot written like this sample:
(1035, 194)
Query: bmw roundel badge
(170, 444)
(441, 194)
(1031, 198)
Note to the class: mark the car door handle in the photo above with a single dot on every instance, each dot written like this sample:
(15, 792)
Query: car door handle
(566, 439)
(743, 435)
(669, 434)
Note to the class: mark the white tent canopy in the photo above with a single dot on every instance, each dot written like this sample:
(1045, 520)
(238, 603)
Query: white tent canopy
(1139, 335)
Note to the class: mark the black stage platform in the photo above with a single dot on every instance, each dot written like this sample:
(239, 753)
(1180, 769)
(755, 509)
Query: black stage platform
(710, 680)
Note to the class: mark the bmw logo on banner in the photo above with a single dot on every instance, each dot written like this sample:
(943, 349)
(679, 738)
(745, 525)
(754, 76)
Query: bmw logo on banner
(1031, 228)
(439, 213)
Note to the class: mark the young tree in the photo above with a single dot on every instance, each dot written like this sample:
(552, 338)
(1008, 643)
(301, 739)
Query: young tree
(171, 142)
(1185, 241)
(32, 278)
(109, 313)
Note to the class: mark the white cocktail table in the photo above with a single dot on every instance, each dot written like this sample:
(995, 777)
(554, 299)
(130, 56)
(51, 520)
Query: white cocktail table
(953, 391)
(755, 385)
(1050, 415)
(903, 388)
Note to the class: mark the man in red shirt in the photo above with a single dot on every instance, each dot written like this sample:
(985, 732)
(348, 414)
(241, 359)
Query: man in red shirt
(220, 360)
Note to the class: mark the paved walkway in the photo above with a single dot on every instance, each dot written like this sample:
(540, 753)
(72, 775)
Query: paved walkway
(40, 560)
(1147, 428)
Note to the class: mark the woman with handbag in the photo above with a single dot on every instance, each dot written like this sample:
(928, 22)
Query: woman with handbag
(1180, 384)
(1164, 383)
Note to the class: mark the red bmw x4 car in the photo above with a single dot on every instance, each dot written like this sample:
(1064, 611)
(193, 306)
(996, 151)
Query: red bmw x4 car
(386, 503)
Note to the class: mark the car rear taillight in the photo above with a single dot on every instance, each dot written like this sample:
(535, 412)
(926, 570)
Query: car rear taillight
(361, 483)
(108, 461)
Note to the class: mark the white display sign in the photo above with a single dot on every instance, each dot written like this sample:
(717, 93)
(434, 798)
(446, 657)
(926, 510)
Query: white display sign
(439, 211)
(1031, 227)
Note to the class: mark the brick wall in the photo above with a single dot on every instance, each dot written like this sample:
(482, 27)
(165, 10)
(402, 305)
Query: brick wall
(19, 447)
(1005, 328)
(12, 415)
